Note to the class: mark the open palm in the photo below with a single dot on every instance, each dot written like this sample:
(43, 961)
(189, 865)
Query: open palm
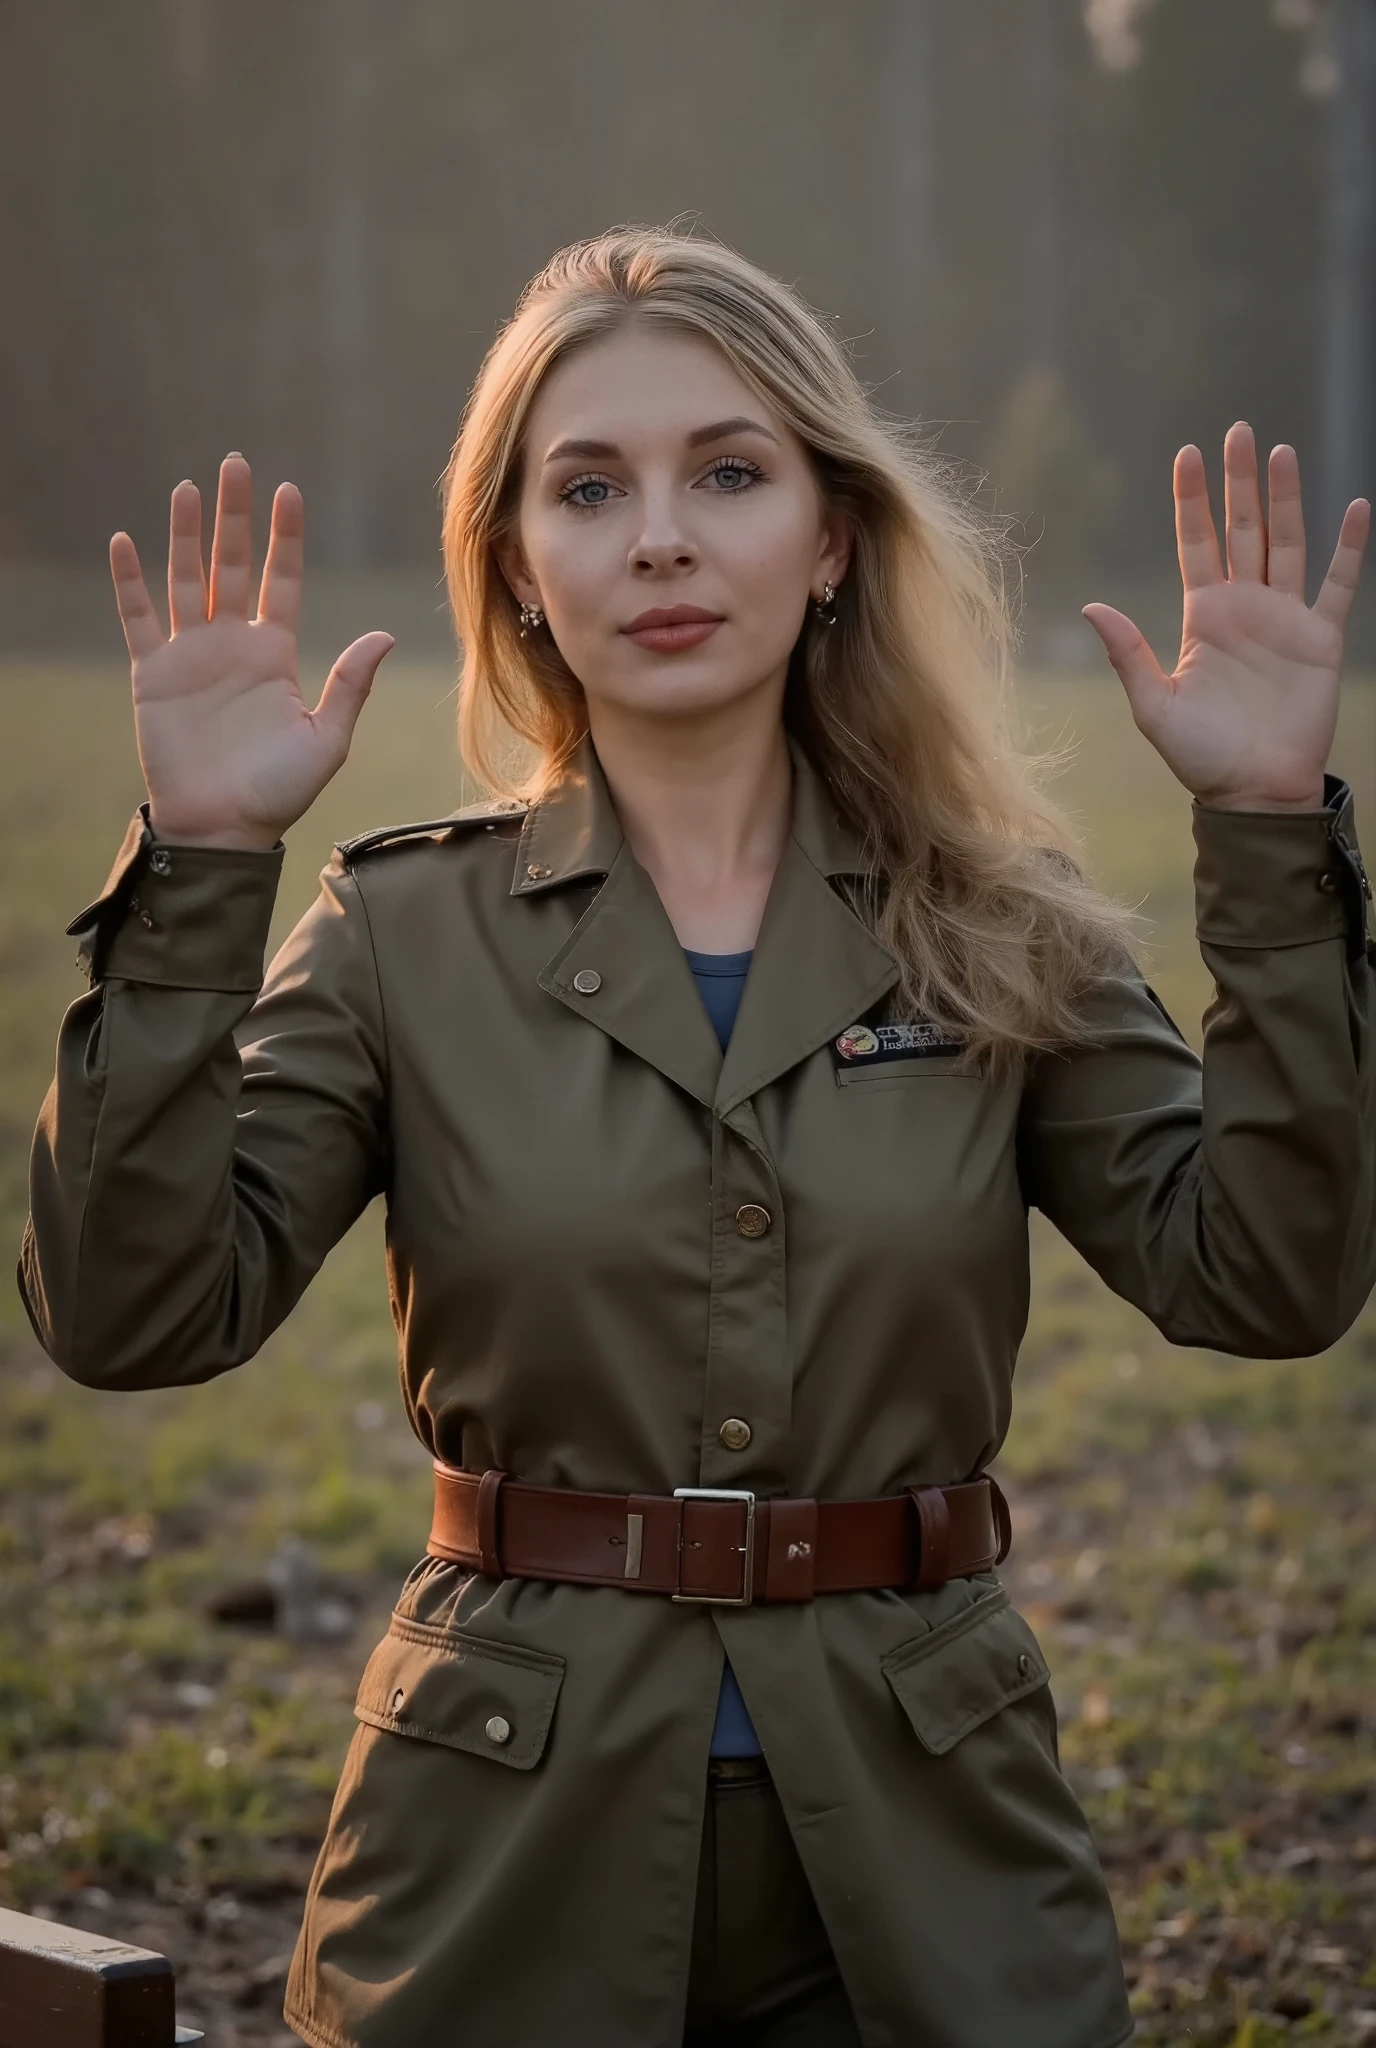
(231, 753)
(1248, 718)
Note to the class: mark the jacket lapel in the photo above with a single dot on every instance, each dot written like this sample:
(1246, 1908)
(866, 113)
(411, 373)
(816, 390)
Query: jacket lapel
(644, 995)
(816, 965)
(636, 984)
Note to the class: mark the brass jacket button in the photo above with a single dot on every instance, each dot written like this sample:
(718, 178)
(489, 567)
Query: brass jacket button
(587, 981)
(734, 1434)
(752, 1220)
(498, 1729)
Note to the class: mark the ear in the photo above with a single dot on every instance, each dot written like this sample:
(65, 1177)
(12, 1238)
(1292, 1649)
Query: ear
(834, 549)
(511, 560)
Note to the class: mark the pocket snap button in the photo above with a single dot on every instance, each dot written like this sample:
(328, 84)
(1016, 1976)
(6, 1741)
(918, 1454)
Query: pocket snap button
(587, 981)
(1024, 1664)
(498, 1729)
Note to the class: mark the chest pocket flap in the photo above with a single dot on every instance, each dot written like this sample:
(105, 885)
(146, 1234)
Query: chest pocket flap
(493, 1699)
(926, 1067)
(964, 1670)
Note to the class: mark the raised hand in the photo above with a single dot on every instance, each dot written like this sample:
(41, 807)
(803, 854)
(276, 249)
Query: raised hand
(231, 753)
(1247, 720)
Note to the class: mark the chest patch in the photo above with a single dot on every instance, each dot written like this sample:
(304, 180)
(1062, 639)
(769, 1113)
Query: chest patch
(872, 1045)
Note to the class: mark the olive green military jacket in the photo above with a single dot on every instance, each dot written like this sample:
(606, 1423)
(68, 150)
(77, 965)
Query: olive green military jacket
(489, 1021)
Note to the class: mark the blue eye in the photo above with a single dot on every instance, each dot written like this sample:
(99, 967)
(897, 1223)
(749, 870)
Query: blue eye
(586, 493)
(732, 475)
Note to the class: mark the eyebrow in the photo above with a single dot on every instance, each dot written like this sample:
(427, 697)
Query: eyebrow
(739, 423)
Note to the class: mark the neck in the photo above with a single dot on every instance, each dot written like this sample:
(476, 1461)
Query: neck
(706, 807)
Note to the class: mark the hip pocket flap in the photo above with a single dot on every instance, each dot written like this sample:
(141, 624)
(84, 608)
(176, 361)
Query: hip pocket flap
(440, 1685)
(964, 1670)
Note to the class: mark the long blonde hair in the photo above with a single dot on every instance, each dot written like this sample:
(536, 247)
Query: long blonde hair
(901, 705)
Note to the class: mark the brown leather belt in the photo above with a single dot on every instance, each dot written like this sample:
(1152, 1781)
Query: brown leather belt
(718, 1544)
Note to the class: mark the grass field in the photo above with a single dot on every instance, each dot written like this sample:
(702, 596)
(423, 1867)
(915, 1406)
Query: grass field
(1194, 1534)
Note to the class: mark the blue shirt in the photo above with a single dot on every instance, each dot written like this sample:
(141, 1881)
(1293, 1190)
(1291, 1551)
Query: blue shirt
(721, 978)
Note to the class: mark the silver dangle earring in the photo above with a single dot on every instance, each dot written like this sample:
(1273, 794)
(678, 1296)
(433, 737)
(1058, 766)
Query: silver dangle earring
(531, 618)
(824, 607)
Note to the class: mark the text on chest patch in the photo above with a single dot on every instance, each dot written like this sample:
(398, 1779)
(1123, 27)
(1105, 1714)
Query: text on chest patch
(870, 1045)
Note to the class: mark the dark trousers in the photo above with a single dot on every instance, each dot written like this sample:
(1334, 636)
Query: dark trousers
(763, 1974)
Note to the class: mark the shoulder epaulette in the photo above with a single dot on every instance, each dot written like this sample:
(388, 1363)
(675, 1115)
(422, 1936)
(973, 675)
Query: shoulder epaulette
(489, 812)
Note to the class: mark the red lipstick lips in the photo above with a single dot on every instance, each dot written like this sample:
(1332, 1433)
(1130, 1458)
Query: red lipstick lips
(669, 628)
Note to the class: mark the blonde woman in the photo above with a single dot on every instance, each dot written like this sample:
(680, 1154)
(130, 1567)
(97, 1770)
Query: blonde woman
(708, 1073)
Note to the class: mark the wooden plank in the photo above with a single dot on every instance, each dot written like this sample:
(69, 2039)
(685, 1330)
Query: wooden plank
(61, 1987)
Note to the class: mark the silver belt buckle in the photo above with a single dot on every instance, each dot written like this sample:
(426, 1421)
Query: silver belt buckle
(746, 1549)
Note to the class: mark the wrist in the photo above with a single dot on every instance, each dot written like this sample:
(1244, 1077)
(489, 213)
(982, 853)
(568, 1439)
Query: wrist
(1256, 800)
(218, 838)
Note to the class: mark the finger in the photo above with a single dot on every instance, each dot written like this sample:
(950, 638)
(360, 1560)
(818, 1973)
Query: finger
(231, 551)
(1137, 668)
(143, 632)
(1334, 601)
(1285, 563)
(186, 599)
(1195, 539)
(346, 690)
(279, 598)
(1244, 524)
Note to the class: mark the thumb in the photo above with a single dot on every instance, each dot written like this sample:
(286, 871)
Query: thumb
(1137, 668)
(346, 690)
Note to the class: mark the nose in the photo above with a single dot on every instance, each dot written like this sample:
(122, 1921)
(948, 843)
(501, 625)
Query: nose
(661, 543)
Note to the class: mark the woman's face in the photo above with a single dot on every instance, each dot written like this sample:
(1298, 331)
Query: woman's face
(670, 526)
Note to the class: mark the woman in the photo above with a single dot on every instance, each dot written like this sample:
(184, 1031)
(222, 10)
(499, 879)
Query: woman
(643, 1252)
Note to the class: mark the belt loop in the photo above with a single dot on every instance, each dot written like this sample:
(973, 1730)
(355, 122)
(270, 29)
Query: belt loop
(1003, 1519)
(678, 1546)
(934, 1537)
(489, 1547)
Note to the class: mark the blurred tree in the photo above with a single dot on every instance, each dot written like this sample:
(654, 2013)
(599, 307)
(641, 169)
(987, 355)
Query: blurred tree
(1045, 30)
(348, 59)
(1348, 82)
(1201, 308)
(908, 85)
(70, 263)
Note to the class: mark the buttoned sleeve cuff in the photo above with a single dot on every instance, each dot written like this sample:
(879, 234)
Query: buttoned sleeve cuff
(180, 916)
(1281, 878)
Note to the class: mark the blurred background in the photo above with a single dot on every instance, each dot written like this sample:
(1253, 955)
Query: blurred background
(1068, 235)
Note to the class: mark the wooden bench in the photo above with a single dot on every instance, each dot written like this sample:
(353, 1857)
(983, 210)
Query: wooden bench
(62, 1988)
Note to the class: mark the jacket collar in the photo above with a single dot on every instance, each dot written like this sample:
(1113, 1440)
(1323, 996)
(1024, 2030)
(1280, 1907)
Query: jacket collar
(816, 967)
(570, 832)
(573, 831)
